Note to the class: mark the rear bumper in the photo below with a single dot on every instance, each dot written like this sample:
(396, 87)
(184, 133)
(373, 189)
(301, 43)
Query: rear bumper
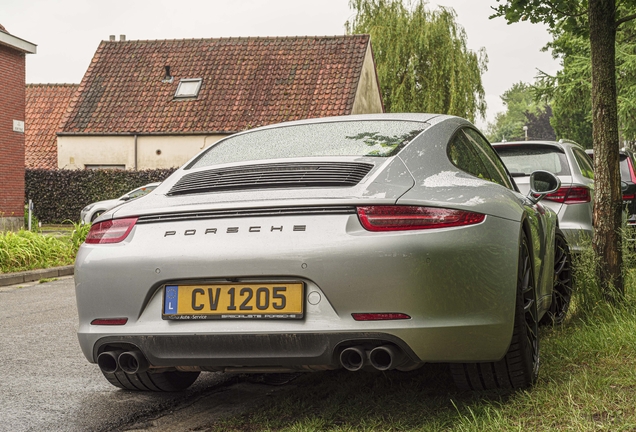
(578, 237)
(278, 350)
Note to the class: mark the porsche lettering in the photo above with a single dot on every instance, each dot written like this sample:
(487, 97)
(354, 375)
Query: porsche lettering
(236, 230)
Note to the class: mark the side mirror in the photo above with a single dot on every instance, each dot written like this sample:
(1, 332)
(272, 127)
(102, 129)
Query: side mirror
(542, 183)
(125, 198)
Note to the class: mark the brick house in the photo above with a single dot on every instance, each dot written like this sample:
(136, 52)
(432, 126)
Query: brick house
(155, 104)
(13, 51)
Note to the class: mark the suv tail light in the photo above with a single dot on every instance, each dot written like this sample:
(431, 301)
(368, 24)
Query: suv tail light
(110, 231)
(571, 195)
(401, 218)
(630, 164)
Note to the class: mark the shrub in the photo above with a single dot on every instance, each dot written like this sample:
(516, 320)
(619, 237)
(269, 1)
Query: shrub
(60, 195)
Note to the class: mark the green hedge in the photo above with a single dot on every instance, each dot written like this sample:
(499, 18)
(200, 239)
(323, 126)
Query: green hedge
(60, 195)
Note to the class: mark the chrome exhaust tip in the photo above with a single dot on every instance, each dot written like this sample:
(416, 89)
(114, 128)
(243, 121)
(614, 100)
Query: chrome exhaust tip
(133, 362)
(108, 361)
(386, 357)
(353, 358)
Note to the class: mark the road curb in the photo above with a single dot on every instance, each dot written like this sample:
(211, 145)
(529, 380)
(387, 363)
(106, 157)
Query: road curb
(34, 275)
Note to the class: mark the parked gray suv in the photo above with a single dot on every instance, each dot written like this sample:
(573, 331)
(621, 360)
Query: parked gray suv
(574, 200)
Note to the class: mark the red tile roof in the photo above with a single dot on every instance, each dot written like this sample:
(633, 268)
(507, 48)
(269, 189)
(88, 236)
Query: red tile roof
(247, 82)
(46, 105)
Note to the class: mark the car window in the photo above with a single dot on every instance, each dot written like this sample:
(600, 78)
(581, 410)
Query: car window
(489, 158)
(584, 163)
(375, 138)
(626, 175)
(465, 156)
(525, 159)
(140, 192)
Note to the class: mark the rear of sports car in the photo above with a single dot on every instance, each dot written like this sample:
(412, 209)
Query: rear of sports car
(308, 262)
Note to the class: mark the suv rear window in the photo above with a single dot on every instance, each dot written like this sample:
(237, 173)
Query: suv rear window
(523, 160)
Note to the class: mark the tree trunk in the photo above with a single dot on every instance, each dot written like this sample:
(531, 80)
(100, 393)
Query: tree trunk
(608, 197)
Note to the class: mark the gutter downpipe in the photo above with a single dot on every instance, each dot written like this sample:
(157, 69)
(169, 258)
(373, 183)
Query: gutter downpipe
(135, 152)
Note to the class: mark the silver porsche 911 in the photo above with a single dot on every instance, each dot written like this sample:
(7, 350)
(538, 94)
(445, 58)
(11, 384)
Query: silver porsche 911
(371, 242)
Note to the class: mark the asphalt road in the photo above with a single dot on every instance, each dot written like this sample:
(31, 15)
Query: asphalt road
(47, 384)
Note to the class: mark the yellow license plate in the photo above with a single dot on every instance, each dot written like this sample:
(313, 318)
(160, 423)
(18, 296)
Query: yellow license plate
(231, 300)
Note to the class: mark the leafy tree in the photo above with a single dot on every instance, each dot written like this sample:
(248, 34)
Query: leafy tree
(521, 110)
(421, 57)
(569, 91)
(598, 20)
(538, 123)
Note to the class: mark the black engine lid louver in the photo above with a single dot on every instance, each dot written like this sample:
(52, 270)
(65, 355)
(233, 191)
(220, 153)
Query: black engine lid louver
(276, 175)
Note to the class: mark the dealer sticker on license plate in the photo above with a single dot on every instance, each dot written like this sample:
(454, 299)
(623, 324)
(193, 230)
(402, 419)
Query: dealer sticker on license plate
(234, 301)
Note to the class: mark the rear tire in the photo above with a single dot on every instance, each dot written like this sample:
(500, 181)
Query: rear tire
(563, 282)
(520, 366)
(148, 381)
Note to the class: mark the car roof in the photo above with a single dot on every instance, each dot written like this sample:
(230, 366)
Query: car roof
(624, 151)
(554, 144)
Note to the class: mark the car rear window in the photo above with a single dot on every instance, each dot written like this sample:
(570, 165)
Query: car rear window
(346, 138)
(523, 160)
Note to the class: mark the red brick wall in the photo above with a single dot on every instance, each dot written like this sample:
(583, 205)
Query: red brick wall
(12, 106)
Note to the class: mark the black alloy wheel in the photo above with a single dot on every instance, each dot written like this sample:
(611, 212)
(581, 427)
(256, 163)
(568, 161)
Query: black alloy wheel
(520, 366)
(563, 282)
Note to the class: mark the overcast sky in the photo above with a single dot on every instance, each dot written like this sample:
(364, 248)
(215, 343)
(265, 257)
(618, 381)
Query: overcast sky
(67, 32)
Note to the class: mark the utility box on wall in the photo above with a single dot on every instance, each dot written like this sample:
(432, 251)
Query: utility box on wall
(13, 51)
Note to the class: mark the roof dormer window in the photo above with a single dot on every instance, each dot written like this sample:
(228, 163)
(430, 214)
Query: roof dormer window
(188, 88)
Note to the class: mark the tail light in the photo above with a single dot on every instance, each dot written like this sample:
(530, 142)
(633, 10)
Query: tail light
(570, 195)
(110, 231)
(630, 164)
(400, 218)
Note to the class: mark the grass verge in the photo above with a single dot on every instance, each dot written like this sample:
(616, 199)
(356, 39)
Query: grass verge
(25, 250)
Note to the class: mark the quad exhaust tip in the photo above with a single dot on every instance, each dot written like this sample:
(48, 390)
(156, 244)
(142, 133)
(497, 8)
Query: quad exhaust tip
(131, 362)
(386, 357)
(353, 358)
(382, 358)
(108, 361)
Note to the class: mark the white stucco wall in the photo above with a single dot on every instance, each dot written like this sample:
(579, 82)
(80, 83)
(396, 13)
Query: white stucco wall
(368, 98)
(153, 151)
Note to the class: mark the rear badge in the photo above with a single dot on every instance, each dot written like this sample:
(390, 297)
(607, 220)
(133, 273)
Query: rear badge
(236, 230)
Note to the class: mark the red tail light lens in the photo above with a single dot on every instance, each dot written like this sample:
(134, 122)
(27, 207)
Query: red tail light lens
(110, 231)
(628, 197)
(570, 195)
(400, 218)
(379, 316)
(630, 163)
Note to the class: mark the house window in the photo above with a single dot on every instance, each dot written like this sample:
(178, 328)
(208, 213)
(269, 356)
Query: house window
(188, 88)
(97, 167)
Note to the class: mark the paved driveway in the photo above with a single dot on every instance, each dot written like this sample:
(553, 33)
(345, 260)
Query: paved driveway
(46, 384)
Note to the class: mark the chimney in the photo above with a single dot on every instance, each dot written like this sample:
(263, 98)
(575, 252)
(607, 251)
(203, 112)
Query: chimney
(168, 78)
(122, 38)
(112, 38)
